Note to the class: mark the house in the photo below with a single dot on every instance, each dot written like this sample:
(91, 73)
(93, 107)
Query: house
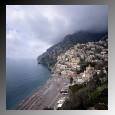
(80, 81)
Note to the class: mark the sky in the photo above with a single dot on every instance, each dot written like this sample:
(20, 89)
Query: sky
(32, 29)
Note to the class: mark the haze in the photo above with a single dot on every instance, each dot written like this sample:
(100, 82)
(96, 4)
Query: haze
(31, 29)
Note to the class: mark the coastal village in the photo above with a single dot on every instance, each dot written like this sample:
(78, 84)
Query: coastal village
(79, 80)
(57, 57)
(81, 63)
(76, 62)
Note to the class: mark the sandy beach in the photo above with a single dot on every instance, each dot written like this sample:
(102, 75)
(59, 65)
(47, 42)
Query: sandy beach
(46, 96)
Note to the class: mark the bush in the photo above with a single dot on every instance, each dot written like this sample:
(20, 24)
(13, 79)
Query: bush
(76, 87)
(99, 95)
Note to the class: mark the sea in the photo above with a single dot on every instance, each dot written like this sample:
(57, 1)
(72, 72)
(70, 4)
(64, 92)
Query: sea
(23, 78)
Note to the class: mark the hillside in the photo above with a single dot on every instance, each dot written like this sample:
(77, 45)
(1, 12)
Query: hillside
(86, 65)
(49, 58)
(82, 58)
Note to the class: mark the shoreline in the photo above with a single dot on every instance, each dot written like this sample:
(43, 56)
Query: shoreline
(45, 97)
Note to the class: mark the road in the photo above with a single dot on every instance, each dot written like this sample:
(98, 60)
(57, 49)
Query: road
(46, 96)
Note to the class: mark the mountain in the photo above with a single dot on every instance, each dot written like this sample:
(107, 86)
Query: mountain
(49, 58)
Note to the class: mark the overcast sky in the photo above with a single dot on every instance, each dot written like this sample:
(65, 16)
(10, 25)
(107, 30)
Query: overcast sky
(31, 29)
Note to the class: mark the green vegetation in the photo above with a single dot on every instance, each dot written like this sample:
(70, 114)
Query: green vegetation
(76, 87)
(82, 97)
(99, 95)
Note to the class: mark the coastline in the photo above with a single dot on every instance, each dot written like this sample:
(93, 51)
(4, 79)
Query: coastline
(46, 96)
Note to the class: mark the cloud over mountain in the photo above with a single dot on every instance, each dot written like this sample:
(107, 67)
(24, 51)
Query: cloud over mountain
(31, 29)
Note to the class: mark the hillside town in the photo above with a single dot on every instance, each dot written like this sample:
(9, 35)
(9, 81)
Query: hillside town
(81, 64)
(79, 80)
(76, 62)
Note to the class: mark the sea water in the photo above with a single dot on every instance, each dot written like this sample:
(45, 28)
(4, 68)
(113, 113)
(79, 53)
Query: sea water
(23, 78)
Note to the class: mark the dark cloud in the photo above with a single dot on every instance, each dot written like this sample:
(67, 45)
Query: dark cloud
(34, 28)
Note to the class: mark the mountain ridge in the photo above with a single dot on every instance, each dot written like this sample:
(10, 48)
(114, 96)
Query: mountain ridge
(49, 58)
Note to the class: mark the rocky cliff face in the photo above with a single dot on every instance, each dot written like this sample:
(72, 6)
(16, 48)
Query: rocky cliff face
(49, 58)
